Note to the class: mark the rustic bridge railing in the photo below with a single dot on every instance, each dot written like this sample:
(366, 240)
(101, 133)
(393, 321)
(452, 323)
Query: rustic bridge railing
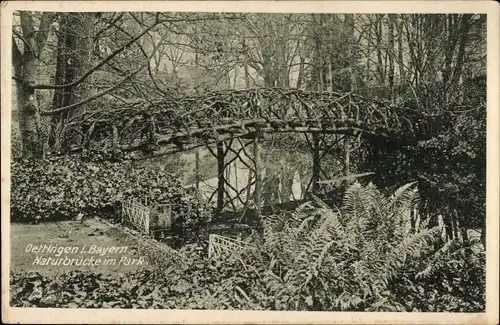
(146, 219)
(136, 215)
(221, 245)
(180, 123)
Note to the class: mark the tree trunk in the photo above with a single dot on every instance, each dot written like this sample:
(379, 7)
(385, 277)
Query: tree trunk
(349, 24)
(245, 64)
(29, 115)
(73, 60)
(448, 54)
(221, 183)
(380, 63)
(25, 70)
(402, 73)
(197, 176)
(247, 76)
(267, 65)
(464, 38)
(483, 234)
(258, 176)
(330, 74)
(347, 164)
(318, 69)
(391, 56)
(350, 61)
(316, 163)
(300, 77)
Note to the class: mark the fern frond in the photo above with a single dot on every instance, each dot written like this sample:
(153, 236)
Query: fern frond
(401, 197)
(321, 257)
(304, 225)
(403, 192)
(415, 244)
(450, 244)
(301, 210)
(358, 205)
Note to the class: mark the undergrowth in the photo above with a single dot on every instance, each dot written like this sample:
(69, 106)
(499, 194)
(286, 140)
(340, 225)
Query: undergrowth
(61, 188)
(362, 256)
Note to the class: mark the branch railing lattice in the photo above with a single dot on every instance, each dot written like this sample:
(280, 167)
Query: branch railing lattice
(220, 245)
(136, 215)
(179, 123)
(146, 219)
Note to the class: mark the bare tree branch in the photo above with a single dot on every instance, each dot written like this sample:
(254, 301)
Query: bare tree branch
(21, 37)
(148, 57)
(91, 98)
(100, 64)
(109, 24)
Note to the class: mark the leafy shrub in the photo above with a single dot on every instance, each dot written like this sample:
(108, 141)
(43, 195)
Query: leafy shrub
(452, 280)
(450, 164)
(62, 187)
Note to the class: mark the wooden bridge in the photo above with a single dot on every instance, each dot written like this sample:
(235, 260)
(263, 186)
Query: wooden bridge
(150, 128)
(176, 124)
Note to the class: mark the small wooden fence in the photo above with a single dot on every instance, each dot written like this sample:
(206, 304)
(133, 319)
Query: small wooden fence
(146, 219)
(220, 245)
(136, 215)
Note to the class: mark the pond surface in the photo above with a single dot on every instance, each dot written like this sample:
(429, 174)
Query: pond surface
(286, 175)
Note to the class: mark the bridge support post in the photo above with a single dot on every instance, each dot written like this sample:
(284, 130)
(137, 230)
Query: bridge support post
(347, 155)
(115, 142)
(220, 175)
(258, 176)
(316, 163)
(197, 171)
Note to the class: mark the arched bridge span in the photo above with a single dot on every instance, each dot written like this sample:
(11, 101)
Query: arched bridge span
(179, 123)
